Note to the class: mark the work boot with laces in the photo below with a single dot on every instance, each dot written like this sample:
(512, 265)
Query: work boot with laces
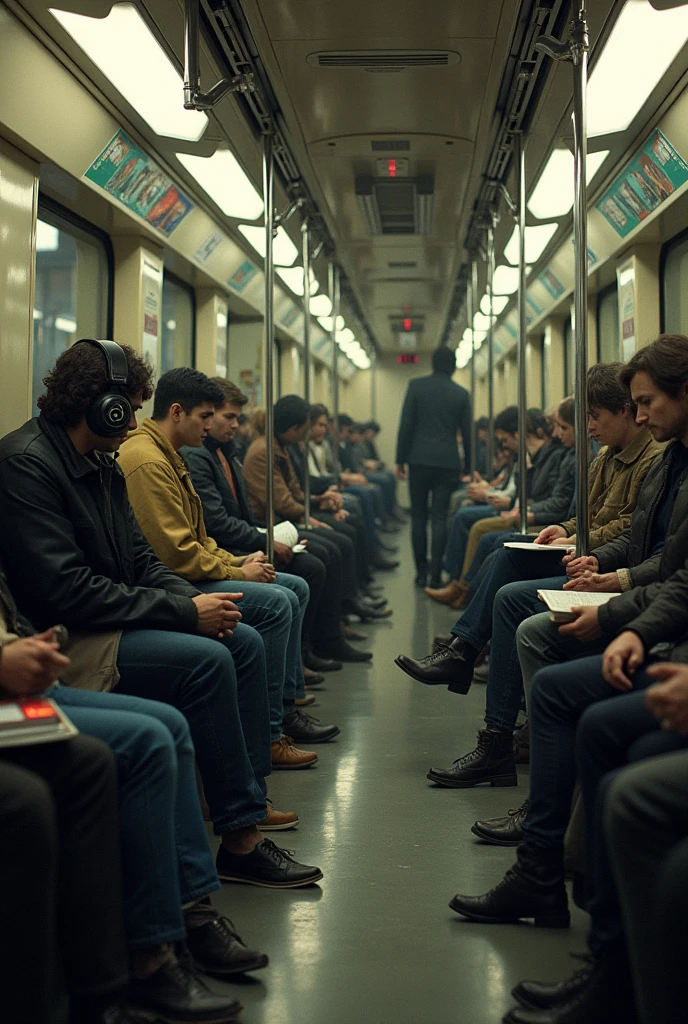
(451, 665)
(176, 992)
(285, 755)
(543, 995)
(492, 761)
(505, 831)
(602, 995)
(214, 945)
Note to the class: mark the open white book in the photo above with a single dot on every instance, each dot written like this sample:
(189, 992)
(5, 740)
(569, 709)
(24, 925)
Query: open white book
(524, 545)
(560, 602)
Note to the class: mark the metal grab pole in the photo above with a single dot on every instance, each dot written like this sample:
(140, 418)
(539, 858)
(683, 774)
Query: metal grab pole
(490, 346)
(269, 340)
(334, 298)
(579, 54)
(522, 339)
(471, 290)
(306, 244)
(373, 387)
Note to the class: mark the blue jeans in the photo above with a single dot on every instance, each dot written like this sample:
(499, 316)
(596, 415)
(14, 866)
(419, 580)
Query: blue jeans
(276, 611)
(367, 499)
(388, 486)
(560, 695)
(166, 860)
(221, 689)
(611, 734)
(458, 535)
(497, 609)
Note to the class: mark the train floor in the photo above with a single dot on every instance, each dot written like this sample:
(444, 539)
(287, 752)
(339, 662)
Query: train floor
(375, 942)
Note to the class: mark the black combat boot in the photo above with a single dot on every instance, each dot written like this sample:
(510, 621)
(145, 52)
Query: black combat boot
(492, 761)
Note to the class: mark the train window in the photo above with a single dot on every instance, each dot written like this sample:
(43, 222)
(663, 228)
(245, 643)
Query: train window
(608, 325)
(674, 265)
(73, 290)
(178, 323)
(569, 358)
(277, 384)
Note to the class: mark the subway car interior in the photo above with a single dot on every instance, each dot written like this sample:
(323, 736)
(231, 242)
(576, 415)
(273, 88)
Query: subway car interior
(305, 285)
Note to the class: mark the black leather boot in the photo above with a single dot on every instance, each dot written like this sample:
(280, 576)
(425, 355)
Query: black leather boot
(175, 992)
(214, 945)
(452, 665)
(604, 996)
(543, 995)
(492, 761)
(532, 889)
(506, 831)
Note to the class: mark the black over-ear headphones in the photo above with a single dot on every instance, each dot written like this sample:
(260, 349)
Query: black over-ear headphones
(111, 411)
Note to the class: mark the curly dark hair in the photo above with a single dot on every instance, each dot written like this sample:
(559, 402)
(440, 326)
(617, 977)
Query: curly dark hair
(80, 377)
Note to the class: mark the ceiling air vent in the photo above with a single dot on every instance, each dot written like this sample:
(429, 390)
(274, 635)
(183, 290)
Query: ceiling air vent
(405, 265)
(389, 61)
(390, 145)
(397, 206)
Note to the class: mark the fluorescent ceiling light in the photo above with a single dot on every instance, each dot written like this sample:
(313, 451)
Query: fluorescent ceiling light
(66, 324)
(293, 278)
(225, 181)
(345, 337)
(641, 47)
(537, 239)
(283, 250)
(46, 237)
(479, 337)
(126, 51)
(505, 280)
(498, 304)
(321, 305)
(326, 323)
(553, 194)
(481, 322)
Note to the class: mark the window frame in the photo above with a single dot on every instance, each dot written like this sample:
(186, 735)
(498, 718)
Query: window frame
(665, 252)
(189, 288)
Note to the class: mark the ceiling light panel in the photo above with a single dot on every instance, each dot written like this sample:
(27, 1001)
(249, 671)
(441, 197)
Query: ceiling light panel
(643, 44)
(537, 239)
(125, 50)
(321, 305)
(553, 194)
(293, 278)
(326, 323)
(226, 182)
(284, 251)
(498, 304)
(505, 280)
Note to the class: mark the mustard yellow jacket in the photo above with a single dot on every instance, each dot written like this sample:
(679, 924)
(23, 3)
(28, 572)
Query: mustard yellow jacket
(168, 509)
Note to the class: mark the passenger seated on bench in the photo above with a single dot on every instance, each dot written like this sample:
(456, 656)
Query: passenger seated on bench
(114, 916)
(139, 627)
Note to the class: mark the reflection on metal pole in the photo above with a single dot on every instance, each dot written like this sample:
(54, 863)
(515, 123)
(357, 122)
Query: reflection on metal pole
(579, 54)
(576, 51)
(471, 294)
(306, 243)
(269, 339)
(490, 344)
(334, 298)
(522, 338)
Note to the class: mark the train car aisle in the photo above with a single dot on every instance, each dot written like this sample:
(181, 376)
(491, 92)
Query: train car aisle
(376, 943)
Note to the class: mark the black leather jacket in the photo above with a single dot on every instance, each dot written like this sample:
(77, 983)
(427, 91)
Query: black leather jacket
(657, 606)
(71, 547)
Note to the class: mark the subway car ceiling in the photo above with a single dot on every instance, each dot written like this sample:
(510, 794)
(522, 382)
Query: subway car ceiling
(391, 113)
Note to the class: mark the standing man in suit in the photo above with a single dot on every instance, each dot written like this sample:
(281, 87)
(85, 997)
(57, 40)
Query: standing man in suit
(435, 410)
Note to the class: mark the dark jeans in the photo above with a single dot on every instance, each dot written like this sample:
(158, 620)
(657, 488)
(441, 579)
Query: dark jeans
(560, 695)
(60, 869)
(498, 607)
(354, 552)
(166, 859)
(220, 687)
(345, 546)
(426, 481)
(322, 621)
(367, 500)
(387, 483)
(611, 734)
(647, 832)
(464, 518)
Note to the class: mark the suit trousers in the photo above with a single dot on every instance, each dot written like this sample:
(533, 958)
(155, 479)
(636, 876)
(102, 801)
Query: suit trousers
(430, 482)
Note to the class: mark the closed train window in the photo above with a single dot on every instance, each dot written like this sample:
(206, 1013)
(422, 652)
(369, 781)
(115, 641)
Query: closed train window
(608, 325)
(674, 291)
(178, 323)
(73, 291)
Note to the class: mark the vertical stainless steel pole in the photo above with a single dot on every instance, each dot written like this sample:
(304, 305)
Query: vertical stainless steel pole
(470, 310)
(490, 345)
(334, 298)
(269, 339)
(474, 349)
(579, 53)
(373, 387)
(522, 338)
(306, 244)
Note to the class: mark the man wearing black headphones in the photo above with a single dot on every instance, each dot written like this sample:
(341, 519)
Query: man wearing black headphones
(74, 554)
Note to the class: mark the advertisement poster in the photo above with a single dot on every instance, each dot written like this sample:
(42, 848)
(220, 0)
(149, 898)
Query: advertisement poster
(241, 277)
(252, 386)
(290, 316)
(651, 177)
(124, 170)
(151, 287)
(208, 247)
(551, 283)
(221, 320)
(625, 279)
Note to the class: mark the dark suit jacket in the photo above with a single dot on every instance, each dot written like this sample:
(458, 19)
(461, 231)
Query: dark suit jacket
(435, 408)
(227, 520)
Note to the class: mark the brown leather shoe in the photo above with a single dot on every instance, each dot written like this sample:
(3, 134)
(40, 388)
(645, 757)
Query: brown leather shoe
(286, 755)
(277, 821)
(447, 595)
(303, 702)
